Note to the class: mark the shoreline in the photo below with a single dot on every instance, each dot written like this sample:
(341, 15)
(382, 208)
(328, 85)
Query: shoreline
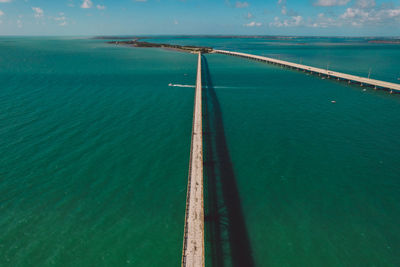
(180, 48)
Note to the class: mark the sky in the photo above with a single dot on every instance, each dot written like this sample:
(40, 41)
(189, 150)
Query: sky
(159, 17)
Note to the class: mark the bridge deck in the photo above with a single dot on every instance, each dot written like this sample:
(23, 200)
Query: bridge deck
(193, 240)
(339, 75)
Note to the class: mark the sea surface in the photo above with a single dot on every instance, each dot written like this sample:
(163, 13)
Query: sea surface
(94, 153)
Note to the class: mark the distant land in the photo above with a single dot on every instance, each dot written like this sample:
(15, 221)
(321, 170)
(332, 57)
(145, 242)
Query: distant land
(134, 41)
(182, 48)
(110, 37)
(271, 37)
(387, 41)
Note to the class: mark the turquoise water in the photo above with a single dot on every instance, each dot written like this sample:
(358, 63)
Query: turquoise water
(318, 182)
(95, 148)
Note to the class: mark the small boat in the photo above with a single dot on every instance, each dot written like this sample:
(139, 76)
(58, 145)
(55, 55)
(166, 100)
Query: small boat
(364, 90)
(170, 84)
(333, 101)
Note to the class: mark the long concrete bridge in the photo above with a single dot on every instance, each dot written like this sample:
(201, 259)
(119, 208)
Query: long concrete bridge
(377, 84)
(193, 238)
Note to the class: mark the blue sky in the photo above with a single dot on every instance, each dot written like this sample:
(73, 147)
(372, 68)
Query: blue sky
(275, 17)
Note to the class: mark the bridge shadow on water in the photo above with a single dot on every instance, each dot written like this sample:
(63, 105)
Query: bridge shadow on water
(226, 233)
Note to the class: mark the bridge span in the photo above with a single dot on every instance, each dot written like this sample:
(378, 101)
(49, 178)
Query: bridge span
(392, 87)
(193, 238)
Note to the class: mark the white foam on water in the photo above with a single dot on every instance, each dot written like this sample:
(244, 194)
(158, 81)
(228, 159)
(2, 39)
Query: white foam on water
(182, 85)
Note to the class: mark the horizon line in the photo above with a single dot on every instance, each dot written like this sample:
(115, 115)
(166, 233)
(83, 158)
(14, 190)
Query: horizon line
(205, 35)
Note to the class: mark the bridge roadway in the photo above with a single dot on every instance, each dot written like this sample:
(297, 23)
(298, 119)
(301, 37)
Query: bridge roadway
(392, 87)
(193, 239)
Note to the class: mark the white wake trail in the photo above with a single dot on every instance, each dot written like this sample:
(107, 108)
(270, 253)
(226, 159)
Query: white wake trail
(182, 85)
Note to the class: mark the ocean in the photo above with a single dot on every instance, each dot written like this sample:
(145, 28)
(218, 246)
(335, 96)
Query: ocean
(95, 150)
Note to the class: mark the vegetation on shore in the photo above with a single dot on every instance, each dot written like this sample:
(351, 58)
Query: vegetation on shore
(184, 48)
(387, 41)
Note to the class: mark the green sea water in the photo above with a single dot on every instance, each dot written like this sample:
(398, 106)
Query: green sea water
(94, 153)
(95, 148)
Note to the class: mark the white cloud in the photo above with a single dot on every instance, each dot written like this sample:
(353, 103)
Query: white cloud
(19, 23)
(365, 3)
(140, 0)
(393, 13)
(363, 13)
(176, 22)
(1, 13)
(292, 17)
(249, 15)
(297, 20)
(291, 22)
(331, 2)
(253, 24)
(359, 17)
(283, 10)
(87, 4)
(282, 4)
(322, 21)
(241, 4)
(61, 19)
(351, 13)
(5, 1)
(39, 13)
(100, 7)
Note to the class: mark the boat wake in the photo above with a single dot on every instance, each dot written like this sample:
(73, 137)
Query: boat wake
(182, 85)
(194, 86)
